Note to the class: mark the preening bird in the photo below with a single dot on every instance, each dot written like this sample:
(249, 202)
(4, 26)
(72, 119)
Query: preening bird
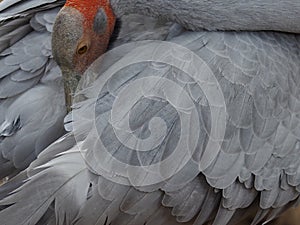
(202, 128)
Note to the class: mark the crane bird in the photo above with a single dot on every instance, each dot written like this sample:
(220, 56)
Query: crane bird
(224, 103)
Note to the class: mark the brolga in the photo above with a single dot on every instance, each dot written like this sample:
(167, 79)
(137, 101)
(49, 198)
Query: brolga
(191, 117)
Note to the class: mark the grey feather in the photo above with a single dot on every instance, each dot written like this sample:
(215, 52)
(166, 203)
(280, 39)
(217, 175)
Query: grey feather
(54, 184)
(21, 149)
(28, 126)
(249, 159)
(10, 88)
(215, 15)
(257, 164)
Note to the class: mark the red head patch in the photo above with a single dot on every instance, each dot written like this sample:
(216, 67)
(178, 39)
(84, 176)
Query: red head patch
(90, 8)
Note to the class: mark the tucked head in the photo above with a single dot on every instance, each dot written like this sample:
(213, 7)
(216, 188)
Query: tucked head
(81, 34)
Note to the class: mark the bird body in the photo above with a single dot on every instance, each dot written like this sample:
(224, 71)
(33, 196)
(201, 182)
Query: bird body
(96, 174)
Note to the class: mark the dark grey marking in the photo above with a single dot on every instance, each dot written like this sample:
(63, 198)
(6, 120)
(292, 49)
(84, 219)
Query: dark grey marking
(100, 22)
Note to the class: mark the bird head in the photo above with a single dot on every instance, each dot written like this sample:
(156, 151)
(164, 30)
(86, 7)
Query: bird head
(81, 34)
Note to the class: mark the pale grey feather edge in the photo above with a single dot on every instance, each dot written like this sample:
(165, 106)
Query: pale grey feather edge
(22, 8)
(103, 201)
(262, 180)
(258, 42)
(119, 204)
(74, 176)
(19, 72)
(218, 52)
(15, 14)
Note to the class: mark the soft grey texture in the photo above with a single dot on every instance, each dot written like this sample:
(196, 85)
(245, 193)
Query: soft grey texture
(32, 99)
(258, 164)
(280, 15)
(11, 9)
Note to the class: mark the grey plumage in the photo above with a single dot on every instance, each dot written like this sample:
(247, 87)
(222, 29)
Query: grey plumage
(28, 124)
(279, 15)
(229, 184)
(256, 166)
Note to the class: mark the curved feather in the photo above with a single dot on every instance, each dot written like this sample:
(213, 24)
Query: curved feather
(32, 106)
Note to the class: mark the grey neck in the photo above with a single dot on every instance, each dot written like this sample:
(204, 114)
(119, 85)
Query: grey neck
(278, 15)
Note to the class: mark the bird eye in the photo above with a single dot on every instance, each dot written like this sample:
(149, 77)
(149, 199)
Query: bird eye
(81, 50)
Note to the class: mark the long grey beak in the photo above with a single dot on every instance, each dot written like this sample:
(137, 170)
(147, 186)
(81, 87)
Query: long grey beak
(71, 81)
